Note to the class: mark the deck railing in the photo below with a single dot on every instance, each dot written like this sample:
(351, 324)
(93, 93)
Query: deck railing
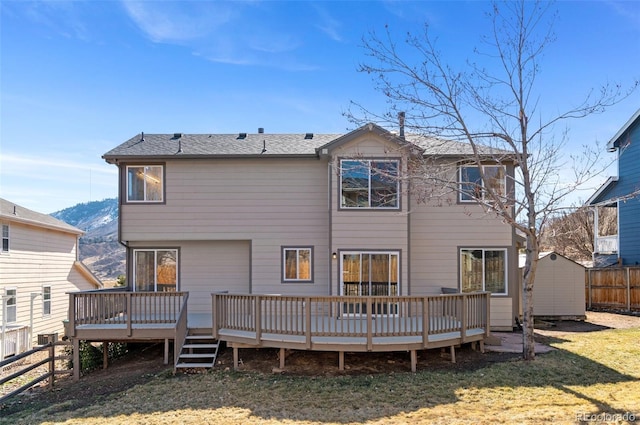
(350, 316)
(124, 308)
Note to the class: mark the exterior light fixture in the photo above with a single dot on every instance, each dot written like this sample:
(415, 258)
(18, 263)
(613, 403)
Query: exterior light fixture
(334, 256)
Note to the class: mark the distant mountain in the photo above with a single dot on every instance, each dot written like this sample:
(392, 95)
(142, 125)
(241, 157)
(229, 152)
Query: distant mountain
(99, 246)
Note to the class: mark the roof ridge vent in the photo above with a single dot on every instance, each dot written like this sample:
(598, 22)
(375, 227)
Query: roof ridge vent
(308, 136)
(242, 135)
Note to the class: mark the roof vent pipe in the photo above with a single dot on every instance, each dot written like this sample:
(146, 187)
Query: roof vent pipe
(142, 137)
(260, 130)
(401, 116)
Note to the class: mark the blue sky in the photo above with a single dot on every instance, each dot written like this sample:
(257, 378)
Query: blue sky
(78, 78)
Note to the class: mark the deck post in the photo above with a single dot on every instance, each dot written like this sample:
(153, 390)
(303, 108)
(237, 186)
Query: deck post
(105, 354)
(257, 319)
(129, 311)
(463, 330)
(340, 360)
(453, 354)
(282, 354)
(487, 317)
(425, 322)
(214, 316)
(307, 321)
(369, 325)
(166, 351)
(76, 359)
(72, 314)
(235, 358)
(414, 360)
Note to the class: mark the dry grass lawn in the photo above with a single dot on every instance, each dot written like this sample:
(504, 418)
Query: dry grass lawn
(591, 373)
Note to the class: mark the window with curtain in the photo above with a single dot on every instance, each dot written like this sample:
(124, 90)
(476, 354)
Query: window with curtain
(155, 270)
(483, 270)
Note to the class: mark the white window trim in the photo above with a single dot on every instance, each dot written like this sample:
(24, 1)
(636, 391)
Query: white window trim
(369, 161)
(506, 268)
(5, 304)
(145, 200)
(8, 238)
(155, 265)
(460, 182)
(44, 300)
(365, 252)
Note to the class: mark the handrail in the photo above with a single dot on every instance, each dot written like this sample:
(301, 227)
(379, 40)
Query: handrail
(351, 316)
(180, 330)
(124, 308)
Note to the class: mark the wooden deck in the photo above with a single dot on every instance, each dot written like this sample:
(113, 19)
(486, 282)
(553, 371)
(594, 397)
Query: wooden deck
(332, 323)
(346, 324)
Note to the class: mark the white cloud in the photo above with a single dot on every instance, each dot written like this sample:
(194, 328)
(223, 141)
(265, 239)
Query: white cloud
(177, 22)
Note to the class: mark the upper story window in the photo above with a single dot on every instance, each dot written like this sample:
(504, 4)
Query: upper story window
(369, 184)
(155, 270)
(483, 270)
(297, 264)
(145, 183)
(5, 238)
(472, 186)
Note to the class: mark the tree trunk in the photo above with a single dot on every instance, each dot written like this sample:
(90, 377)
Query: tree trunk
(531, 264)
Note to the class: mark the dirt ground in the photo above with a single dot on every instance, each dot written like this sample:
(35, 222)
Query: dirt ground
(145, 361)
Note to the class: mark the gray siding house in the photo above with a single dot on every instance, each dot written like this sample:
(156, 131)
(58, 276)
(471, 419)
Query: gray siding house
(303, 214)
(304, 241)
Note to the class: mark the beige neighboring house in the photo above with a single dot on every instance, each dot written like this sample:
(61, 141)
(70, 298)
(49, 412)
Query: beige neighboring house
(38, 266)
(308, 215)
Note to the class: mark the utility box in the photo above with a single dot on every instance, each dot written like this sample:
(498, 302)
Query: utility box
(47, 338)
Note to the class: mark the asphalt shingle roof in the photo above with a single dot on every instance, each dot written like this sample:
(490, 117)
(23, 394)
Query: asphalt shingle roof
(253, 144)
(13, 212)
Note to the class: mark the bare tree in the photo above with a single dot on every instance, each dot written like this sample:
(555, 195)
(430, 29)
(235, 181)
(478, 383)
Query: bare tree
(493, 105)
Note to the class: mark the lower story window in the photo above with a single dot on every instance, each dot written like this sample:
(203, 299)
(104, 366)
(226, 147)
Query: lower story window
(370, 273)
(483, 270)
(155, 270)
(297, 264)
(11, 296)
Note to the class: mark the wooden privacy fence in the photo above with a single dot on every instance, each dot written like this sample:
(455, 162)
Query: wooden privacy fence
(32, 362)
(615, 288)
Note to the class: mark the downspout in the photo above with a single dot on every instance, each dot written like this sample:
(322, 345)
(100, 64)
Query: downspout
(33, 297)
(121, 182)
(330, 250)
(4, 325)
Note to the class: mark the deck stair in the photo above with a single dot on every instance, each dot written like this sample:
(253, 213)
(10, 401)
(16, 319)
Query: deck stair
(199, 351)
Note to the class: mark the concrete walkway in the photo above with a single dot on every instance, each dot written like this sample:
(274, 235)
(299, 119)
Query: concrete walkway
(511, 342)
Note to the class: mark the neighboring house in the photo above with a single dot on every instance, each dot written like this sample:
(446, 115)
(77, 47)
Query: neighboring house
(307, 214)
(621, 193)
(559, 290)
(38, 267)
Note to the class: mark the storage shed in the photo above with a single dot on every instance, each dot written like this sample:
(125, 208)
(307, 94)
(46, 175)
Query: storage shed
(558, 292)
